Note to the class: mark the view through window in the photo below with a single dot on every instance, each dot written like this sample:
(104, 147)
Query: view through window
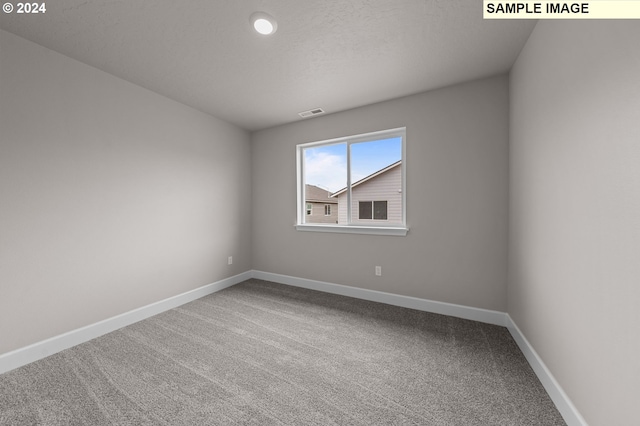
(353, 181)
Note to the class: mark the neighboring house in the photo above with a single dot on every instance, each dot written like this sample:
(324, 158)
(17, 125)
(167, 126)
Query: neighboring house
(319, 206)
(375, 199)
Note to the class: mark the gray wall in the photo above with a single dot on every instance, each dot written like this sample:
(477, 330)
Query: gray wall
(457, 186)
(574, 267)
(112, 197)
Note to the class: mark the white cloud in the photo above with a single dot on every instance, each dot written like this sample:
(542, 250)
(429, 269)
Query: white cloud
(325, 169)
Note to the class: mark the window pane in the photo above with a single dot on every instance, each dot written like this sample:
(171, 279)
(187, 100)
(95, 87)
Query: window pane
(380, 210)
(368, 158)
(364, 210)
(326, 166)
(376, 174)
(325, 172)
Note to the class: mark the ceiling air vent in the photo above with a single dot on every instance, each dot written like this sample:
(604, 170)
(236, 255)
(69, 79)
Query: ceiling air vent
(311, 112)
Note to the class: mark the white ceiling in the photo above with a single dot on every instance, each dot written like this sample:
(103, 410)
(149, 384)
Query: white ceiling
(332, 54)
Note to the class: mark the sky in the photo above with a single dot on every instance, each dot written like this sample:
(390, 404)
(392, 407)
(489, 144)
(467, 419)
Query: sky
(326, 166)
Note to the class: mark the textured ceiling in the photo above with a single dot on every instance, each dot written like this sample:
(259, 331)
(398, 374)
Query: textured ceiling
(333, 54)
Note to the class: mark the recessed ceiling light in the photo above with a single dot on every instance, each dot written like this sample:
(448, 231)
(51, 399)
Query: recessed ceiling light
(264, 23)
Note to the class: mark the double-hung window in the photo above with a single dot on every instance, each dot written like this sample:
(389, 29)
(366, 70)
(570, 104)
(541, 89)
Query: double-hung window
(364, 174)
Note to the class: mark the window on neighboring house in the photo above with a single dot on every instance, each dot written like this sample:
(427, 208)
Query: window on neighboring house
(309, 208)
(372, 210)
(365, 174)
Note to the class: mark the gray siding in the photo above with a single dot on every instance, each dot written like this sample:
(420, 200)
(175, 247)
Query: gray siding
(319, 198)
(384, 187)
(318, 213)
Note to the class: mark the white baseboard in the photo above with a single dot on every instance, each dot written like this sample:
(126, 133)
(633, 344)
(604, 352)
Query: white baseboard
(39, 350)
(459, 311)
(569, 412)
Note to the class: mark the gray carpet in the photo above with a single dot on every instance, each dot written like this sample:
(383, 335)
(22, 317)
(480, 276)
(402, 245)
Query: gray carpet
(263, 353)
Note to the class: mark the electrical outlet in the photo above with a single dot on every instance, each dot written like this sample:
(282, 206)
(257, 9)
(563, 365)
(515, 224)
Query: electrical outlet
(230, 260)
(379, 271)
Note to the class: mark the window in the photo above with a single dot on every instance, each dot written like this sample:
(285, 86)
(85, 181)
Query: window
(364, 174)
(373, 210)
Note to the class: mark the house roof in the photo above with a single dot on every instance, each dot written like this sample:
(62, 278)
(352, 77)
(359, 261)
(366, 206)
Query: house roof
(315, 194)
(367, 178)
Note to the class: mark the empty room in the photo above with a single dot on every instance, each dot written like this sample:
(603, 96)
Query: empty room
(333, 212)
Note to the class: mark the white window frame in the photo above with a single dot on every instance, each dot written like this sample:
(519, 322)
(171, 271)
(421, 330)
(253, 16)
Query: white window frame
(327, 207)
(351, 228)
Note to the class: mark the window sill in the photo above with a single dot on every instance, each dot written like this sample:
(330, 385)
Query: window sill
(343, 229)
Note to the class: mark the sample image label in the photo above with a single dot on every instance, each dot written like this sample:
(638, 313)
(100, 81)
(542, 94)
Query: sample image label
(588, 9)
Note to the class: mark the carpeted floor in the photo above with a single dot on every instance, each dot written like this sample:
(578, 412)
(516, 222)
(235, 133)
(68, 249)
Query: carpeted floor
(263, 353)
